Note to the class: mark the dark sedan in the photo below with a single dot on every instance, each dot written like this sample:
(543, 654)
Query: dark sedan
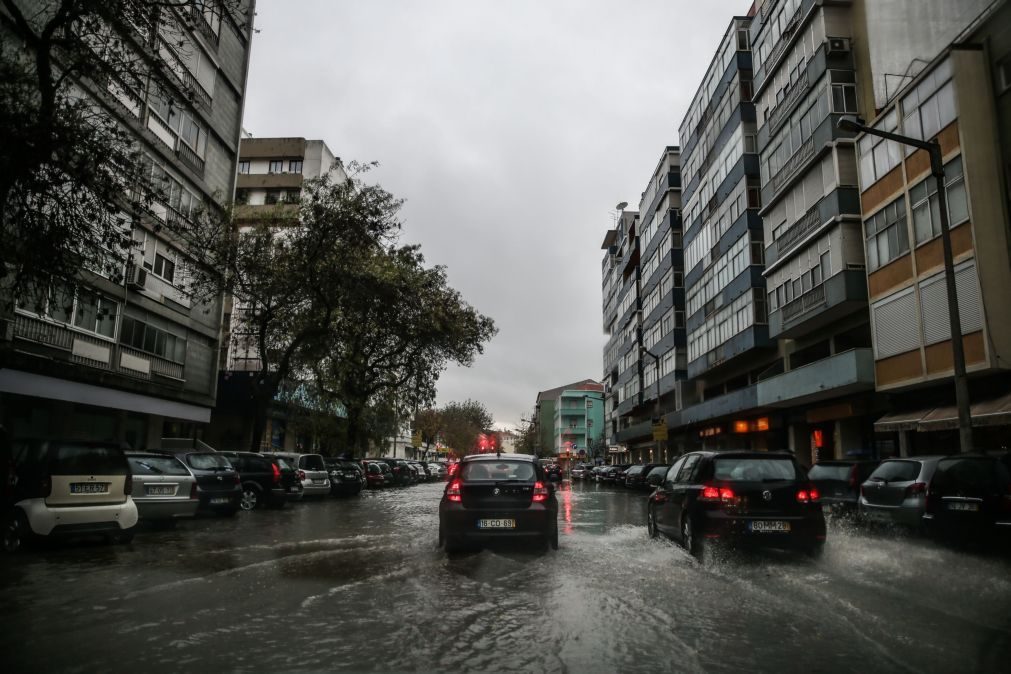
(738, 499)
(266, 480)
(498, 497)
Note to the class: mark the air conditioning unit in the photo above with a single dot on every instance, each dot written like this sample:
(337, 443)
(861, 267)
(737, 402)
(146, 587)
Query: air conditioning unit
(837, 46)
(138, 278)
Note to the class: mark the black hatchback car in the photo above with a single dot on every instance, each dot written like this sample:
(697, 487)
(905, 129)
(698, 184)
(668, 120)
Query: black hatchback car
(266, 480)
(498, 497)
(219, 488)
(740, 499)
(970, 497)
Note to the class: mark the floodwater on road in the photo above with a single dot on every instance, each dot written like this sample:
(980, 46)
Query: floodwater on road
(359, 585)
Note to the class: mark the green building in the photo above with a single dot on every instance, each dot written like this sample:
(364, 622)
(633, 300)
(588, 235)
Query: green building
(570, 418)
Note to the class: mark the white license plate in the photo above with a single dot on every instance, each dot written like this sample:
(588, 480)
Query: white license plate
(293, 489)
(971, 507)
(774, 526)
(89, 488)
(161, 490)
(220, 500)
(349, 475)
(496, 524)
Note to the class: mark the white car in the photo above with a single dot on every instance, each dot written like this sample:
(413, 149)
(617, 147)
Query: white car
(312, 472)
(437, 469)
(68, 489)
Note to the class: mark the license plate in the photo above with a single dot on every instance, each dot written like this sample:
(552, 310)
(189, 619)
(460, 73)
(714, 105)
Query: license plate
(349, 474)
(496, 524)
(971, 507)
(774, 526)
(315, 481)
(161, 490)
(89, 488)
(292, 489)
(220, 500)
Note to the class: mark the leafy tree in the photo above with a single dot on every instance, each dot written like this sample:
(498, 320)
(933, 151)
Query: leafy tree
(290, 283)
(527, 441)
(72, 181)
(462, 423)
(428, 422)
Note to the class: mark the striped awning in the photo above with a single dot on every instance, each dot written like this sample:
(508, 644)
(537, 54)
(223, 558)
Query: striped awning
(989, 412)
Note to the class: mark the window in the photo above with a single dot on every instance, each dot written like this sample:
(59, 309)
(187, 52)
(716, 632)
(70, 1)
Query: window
(272, 197)
(164, 267)
(926, 209)
(211, 15)
(150, 339)
(295, 166)
(844, 98)
(276, 166)
(679, 319)
(930, 106)
(679, 279)
(87, 311)
(887, 237)
(244, 167)
(826, 265)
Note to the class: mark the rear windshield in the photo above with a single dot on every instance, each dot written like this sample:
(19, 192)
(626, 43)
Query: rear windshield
(157, 465)
(659, 470)
(84, 460)
(283, 464)
(970, 473)
(207, 461)
(754, 469)
(311, 462)
(498, 470)
(829, 472)
(897, 471)
(635, 470)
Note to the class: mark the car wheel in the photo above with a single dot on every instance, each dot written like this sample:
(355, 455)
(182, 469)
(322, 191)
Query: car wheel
(651, 522)
(250, 497)
(692, 544)
(17, 532)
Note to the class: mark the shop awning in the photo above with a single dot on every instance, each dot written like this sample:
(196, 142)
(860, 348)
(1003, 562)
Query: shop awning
(990, 412)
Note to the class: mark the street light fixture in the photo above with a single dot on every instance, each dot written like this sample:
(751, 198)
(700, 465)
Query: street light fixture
(933, 149)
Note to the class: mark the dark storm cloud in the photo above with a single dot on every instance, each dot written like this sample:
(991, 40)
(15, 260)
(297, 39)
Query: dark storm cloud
(511, 128)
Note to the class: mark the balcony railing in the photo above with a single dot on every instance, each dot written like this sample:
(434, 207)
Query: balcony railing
(782, 111)
(190, 158)
(799, 158)
(808, 222)
(812, 298)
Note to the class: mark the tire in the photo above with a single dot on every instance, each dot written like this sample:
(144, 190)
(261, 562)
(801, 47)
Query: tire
(651, 522)
(18, 534)
(252, 498)
(688, 539)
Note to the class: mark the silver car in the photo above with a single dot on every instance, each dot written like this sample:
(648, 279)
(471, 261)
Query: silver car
(312, 472)
(164, 489)
(896, 492)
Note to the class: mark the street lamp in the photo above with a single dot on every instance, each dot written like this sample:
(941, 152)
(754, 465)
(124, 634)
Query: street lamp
(933, 149)
(656, 409)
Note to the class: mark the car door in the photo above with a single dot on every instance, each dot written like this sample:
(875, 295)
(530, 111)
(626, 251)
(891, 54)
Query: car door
(661, 497)
(679, 494)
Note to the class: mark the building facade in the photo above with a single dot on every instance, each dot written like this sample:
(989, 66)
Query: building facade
(578, 421)
(547, 411)
(136, 361)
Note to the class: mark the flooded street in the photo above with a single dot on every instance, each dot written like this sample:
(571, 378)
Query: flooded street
(359, 584)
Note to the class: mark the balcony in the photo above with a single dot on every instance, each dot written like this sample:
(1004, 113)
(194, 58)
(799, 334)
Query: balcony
(95, 352)
(840, 374)
(838, 296)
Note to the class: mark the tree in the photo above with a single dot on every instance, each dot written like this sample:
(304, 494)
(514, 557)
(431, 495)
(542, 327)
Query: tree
(527, 442)
(393, 337)
(462, 423)
(290, 284)
(428, 422)
(72, 181)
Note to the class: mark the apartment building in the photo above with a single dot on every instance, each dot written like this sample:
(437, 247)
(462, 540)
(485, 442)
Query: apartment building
(270, 176)
(646, 355)
(962, 98)
(578, 421)
(549, 432)
(620, 292)
(134, 361)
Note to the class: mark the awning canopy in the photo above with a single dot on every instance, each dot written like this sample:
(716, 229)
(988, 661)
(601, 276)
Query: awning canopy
(990, 412)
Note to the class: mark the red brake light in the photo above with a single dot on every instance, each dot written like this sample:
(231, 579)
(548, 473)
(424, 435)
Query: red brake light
(453, 491)
(815, 494)
(277, 473)
(809, 495)
(301, 474)
(540, 492)
(712, 493)
(128, 485)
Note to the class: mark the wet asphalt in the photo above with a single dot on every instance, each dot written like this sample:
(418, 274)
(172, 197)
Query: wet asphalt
(358, 584)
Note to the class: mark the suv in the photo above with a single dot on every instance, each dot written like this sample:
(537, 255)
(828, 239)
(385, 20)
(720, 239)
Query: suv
(70, 488)
(896, 492)
(219, 488)
(312, 472)
(738, 497)
(496, 497)
(839, 483)
(266, 480)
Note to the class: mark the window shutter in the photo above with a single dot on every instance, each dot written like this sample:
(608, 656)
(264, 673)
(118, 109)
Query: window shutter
(895, 325)
(934, 305)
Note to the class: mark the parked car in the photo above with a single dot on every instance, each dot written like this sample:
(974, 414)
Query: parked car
(219, 489)
(66, 488)
(581, 471)
(437, 470)
(496, 497)
(553, 472)
(655, 476)
(597, 474)
(423, 474)
(311, 472)
(896, 492)
(346, 478)
(970, 497)
(635, 476)
(402, 475)
(377, 474)
(839, 482)
(611, 473)
(164, 489)
(738, 499)
(267, 479)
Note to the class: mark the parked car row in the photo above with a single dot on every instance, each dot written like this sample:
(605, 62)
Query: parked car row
(387, 472)
(71, 488)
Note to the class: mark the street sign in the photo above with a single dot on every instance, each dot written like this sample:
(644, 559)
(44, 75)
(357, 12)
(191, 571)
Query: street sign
(660, 430)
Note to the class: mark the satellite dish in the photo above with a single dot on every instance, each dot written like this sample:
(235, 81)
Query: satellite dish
(621, 206)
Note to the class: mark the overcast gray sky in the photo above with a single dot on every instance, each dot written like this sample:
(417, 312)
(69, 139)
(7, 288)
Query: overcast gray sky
(512, 128)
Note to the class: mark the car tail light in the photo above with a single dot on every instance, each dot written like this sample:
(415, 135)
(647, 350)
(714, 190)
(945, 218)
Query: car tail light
(128, 485)
(853, 478)
(809, 495)
(396, 469)
(193, 490)
(916, 488)
(46, 487)
(301, 474)
(453, 467)
(713, 493)
(453, 492)
(540, 492)
(276, 473)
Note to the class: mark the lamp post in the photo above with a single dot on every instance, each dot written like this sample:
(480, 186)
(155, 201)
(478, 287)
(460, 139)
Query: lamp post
(933, 149)
(656, 408)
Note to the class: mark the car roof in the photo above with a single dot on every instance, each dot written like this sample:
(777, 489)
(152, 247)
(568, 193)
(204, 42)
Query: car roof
(496, 457)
